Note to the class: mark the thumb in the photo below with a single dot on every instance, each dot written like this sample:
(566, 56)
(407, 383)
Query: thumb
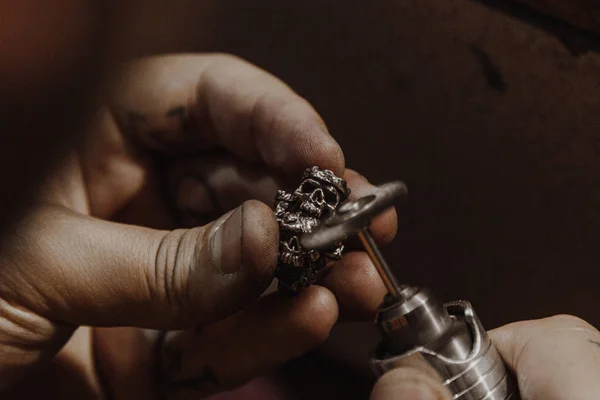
(410, 383)
(556, 358)
(79, 270)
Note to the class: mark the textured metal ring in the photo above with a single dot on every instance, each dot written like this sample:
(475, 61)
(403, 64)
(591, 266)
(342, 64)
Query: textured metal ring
(317, 198)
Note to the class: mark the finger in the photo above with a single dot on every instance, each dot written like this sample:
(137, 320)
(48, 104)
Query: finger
(384, 226)
(82, 271)
(555, 358)
(411, 384)
(124, 359)
(201, 188)
(356, 285)
(227, 354)
(194, 101)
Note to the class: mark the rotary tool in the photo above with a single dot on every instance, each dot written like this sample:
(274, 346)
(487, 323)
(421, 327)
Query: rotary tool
(415, 327)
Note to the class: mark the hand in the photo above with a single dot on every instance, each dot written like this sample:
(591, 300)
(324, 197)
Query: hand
(181, 140)
(555, 358)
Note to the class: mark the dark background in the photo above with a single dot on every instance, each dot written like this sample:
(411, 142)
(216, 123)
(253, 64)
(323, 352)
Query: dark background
(488, 110)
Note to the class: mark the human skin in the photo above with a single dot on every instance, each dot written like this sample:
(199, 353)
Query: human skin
(555, 358)
(29, 91)
(58, 66)
(74, 162)
(220, 132)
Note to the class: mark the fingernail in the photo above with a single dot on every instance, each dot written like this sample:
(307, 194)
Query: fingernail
(226, 243)
(194, 197)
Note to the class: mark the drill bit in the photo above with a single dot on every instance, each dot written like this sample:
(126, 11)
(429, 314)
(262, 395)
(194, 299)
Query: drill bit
(383, 269)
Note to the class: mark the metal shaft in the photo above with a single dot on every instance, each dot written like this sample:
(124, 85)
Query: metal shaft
(382, 267)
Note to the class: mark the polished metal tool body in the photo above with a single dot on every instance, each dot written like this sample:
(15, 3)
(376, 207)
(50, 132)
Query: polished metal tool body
(415, 327)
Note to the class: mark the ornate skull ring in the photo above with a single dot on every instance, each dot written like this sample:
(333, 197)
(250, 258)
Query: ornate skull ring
(317, 198)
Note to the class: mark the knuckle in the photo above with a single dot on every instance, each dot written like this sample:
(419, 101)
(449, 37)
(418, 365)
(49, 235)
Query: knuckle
(174, 255)
(230, 65)
(568, 321)
(284, 110)
(23, 329)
